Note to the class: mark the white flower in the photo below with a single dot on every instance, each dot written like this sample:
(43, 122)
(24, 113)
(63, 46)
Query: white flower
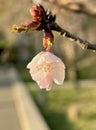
(45, 68)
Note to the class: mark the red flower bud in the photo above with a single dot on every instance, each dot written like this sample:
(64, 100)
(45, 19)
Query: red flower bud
(37, 13)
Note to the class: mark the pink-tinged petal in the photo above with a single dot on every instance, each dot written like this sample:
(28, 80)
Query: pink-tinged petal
(46, 82)
(36, 67)
(39, 76)
(34, 62)
(50, 57)
(59, 73)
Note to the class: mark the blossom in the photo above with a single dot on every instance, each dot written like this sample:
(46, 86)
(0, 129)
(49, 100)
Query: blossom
(46, 68)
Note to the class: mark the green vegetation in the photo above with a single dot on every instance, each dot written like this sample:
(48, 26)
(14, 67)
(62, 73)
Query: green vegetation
(57, 103)
(88, 72)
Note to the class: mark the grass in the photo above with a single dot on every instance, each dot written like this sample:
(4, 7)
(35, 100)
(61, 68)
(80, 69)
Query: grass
(57, 103)
(88, 72)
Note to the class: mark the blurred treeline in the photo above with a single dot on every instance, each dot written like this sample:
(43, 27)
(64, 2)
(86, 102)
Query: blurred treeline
(19, 49)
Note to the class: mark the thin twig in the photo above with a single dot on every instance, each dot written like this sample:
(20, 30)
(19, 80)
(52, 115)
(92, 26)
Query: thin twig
(84, 44)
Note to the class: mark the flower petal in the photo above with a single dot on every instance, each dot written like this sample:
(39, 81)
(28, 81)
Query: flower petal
(59, 73)
(34, 62)
(50, 57)
(46, 82)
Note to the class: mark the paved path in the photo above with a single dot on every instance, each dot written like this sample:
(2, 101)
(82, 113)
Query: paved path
(17, 110)
(8, 115)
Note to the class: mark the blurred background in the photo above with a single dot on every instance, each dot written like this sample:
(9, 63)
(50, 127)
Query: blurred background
(73, 105)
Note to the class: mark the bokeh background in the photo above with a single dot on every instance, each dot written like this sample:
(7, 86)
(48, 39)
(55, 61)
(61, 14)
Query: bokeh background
(73, 105)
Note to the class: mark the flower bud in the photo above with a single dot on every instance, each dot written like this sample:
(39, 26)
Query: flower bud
(37, 13)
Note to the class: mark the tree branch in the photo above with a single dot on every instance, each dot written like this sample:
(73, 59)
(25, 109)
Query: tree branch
(48, 24)
(84, 44)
